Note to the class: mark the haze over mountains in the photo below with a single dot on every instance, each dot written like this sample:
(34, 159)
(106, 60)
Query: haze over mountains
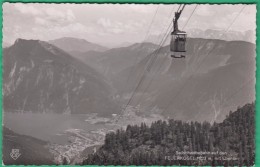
(211, 73)
(248, 36)
(113, 61)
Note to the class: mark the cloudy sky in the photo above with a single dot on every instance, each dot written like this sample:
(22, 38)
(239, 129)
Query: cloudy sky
(114, 24)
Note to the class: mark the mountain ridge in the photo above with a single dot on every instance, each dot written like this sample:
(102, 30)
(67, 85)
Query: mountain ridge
(70, 44)
(222, 61)
(52, 81)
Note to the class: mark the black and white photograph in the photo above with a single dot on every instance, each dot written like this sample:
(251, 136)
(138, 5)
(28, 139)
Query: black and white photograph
(128, 84)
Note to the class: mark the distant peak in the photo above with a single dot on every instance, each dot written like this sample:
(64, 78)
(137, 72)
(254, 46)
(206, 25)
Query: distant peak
(144, 44)
(76, 44)
(71, 38)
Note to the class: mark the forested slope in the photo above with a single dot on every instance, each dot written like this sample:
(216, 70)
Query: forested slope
(158, 144)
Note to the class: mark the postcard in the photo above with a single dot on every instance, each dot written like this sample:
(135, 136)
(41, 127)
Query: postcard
(129, 84)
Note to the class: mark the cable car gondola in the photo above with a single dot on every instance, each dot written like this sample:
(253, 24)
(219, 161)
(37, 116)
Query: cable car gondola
(178, 38)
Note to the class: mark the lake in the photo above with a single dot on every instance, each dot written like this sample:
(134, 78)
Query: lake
(49, 127)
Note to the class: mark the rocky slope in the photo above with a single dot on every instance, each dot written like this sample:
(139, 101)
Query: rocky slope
(39, 77)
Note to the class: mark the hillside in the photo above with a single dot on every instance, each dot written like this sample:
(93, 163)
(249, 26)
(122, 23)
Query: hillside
(39, 77)
(163, 143)
(215, 77)
(33, 151)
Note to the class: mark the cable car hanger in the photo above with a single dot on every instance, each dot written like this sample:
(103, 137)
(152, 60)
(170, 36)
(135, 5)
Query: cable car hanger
(178, 37)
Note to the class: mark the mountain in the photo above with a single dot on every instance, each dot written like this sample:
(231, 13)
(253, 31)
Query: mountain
(70, 44)
(247, 36)
(216, 76)
(33, 151)
(124, 44)
(39, 77)
(113, 61)
(88, 57)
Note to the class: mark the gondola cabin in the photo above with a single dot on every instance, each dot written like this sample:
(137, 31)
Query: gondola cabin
(178, 43)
